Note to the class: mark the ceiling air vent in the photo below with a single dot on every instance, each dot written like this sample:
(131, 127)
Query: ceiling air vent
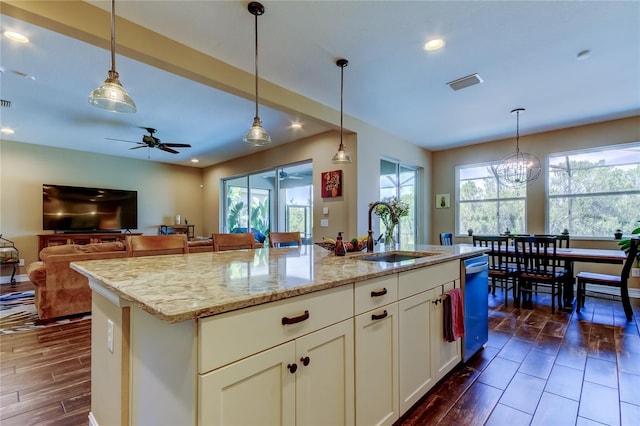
(467, 81)
(5, 104)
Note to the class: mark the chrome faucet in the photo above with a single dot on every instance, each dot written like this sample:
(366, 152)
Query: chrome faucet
(370, 236)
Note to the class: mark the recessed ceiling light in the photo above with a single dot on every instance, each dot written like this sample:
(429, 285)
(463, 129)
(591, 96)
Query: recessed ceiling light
(434, 44)
(12, 35)
(7, 131)
(195, 160)
(296, 126)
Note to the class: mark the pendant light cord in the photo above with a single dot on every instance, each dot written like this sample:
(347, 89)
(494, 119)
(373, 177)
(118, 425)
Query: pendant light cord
(256, 61)
(341, 96)
(113, 36)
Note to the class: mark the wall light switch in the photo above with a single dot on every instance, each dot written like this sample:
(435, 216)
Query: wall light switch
(325, 210)
(324, 223)
(635, 272)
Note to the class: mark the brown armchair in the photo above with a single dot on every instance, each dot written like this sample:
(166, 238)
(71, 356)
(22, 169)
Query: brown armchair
(281, 239)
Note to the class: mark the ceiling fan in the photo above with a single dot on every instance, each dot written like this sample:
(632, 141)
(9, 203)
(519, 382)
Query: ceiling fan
(284, 175)
(150, 141)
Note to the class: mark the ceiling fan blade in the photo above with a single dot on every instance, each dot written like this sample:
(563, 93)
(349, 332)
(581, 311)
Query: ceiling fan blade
(139, 146)
(177, 145)
(121, 140)
(163, 147)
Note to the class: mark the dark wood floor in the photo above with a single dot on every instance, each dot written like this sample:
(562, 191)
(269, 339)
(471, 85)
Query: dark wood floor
(537, 368)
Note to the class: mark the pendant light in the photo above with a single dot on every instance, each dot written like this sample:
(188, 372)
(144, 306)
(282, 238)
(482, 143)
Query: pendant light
(341, 156)
(256, 135)
(518, 168)
(111, 95)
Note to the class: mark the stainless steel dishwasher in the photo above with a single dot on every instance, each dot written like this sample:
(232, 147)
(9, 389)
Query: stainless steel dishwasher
(475, 273)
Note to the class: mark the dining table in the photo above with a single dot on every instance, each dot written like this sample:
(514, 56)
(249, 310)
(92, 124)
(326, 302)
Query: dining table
(586, 255)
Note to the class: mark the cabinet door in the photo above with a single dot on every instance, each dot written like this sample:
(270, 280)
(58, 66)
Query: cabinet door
(324, 387)
(445, 355)
(377, 366)
(259, 390)
(414, 342)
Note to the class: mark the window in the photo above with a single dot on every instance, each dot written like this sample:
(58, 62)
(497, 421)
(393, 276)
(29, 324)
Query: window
(594, 192)
(486, 206)
(280, 199)
(399, 181)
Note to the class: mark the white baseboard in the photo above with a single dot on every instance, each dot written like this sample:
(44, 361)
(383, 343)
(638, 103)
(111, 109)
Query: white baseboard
(6, 279)
(92, 420)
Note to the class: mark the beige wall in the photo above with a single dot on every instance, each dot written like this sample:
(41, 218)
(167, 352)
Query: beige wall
(541, 144)
(163, 190)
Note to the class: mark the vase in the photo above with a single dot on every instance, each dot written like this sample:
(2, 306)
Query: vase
(390, 238)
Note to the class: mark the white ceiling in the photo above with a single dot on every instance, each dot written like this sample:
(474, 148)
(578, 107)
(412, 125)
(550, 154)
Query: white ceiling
(526, 52)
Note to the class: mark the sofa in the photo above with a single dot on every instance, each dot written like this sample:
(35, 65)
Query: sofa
(60, 291)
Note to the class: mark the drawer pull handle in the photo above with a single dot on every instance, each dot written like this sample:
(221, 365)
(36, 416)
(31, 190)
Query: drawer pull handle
(305, 360)
(379, 293)
(292, 368)
(380, 316)
(295, 320)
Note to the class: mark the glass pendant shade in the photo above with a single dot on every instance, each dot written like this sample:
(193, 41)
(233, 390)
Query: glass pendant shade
(112, 96)
(256, 135)
(518, 168)
(341, 156)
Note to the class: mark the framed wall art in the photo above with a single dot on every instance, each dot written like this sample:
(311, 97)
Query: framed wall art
(443, 201)
(332, 184)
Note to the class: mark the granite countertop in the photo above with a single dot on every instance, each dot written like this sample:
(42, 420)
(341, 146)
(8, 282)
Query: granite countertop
(178, 288)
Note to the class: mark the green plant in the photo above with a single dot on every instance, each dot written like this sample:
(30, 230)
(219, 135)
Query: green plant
(626, 242)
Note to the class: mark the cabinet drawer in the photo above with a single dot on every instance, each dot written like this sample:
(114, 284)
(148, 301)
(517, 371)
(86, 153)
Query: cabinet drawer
(418, 280)
(234, 335)
(376, 292)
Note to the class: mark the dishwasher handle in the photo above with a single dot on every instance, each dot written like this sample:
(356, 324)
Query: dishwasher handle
(475, 268)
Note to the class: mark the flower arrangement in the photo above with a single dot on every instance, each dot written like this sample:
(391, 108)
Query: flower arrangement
(390, 216)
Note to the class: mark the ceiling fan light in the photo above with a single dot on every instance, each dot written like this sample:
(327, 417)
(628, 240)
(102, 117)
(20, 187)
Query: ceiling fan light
(341, 157)
(112, 96)
(256, 135)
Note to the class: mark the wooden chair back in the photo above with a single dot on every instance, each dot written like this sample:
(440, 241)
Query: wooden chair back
(153, 245)
(446, 239)
(284, 239)
(223, 242)
(498, 256)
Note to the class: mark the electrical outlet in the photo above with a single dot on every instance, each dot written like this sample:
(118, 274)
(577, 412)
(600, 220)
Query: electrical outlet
(21, 262)
(635, 272)
(110, 335)
(324, 223)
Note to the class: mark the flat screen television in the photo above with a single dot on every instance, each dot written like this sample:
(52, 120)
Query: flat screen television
(79, 209)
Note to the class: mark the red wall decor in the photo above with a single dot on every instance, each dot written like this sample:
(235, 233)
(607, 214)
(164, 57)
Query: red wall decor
(332, 184)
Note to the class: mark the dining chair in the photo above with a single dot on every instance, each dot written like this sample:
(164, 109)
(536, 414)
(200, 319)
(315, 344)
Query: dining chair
(153, 245)
(446, 239)
(538, 265)
(223, 242)
(621, 282)
(501, 272)
(284, 239)
(564, 240)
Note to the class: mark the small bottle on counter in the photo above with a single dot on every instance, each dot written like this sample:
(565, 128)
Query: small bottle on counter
(339, 250)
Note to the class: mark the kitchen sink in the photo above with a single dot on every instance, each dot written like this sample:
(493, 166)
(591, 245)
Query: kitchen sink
(394, 256)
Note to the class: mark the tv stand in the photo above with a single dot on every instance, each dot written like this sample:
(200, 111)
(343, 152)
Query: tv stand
(48, 240)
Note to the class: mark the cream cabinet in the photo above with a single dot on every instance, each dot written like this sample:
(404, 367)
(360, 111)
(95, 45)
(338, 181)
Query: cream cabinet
(306, 381)
(425, 356)
(444, 355)
(376, 349)
(291, 362)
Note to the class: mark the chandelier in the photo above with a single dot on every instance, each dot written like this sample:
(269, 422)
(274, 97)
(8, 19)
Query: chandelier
(518, 168)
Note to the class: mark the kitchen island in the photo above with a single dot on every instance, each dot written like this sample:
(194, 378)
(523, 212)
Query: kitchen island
(268, 336)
